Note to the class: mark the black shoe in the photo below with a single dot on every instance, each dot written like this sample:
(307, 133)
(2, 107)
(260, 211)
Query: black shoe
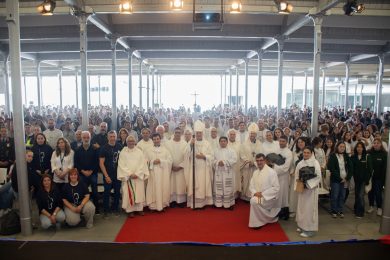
(97, 212)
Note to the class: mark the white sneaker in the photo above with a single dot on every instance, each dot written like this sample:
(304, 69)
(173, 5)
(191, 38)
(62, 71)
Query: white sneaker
(89, 226)
(379, 212)
(370, 210)
(299, 230)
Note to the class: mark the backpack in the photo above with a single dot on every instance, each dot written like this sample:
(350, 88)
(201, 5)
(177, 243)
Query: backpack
(10, 223)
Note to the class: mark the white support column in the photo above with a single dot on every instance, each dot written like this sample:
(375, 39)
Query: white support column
(140, 84)
(114, 117)
(89, 89)
(280, 77)
(304, 104)
(130, 75)
(153, 88)
(12, 18)
(347, 72)
(60, 85)
(246, 85)
(160, 89)
(83, 61)
(339, 94)
(323, 91)
(379, 107)
(157, 91)
(355, 97)
(316, 74)
(39, 85)
(238, 85)
(77, 88)
(259, 79)
(225, 95)
(25, 90)
(361, 96)
(99, 89)
(221, 89)
(292, 89)
(6, 84)
(231, 88)
(147, 87)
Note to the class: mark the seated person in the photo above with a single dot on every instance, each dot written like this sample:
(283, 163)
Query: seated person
(49, 204)
(264, 187)
(75, 196)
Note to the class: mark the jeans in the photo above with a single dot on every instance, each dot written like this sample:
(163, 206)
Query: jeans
(337, 197)
(6, 196)
(359, 198)
(116, 185)
(376, 193)
(46, 222)
(92, 180)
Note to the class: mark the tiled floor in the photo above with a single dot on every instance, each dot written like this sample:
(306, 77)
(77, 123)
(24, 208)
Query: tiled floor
(330, 229)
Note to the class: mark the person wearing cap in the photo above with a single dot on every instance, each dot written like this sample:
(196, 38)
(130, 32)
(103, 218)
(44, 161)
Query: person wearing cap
(248, 151)
(203, 170)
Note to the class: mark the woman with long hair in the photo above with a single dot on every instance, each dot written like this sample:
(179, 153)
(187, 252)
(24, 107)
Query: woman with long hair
(42, 155)
(340, 168)
(61, 162)
(379, 162)
(362, 169)
(49, 204)
(123, 134)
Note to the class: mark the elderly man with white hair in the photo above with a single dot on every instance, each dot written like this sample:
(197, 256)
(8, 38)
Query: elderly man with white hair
(132, 172)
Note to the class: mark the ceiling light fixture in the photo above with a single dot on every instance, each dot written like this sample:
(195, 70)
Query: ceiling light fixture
(351, 7)
(236, 7)
(284, 7)
(176, 5)
(126, 7)
(47, 7)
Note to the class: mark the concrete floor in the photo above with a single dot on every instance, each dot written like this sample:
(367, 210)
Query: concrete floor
(329, 228)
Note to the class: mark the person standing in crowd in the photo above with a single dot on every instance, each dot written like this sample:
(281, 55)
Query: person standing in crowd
(269, 145)
(130, 131)
(307, 207)
(379, 162)
(248, 151)
(158, 190)
(108, 162)
(68, 132)
(100, 139)
(7, 149)
(283, 172)
(341, 171)
(180, 152)
(264, 188)
(132, 172)
(42, 156)
(86, 162)
(203, 170)
(145, 143)
(52, 134)
(224, 177)
(61, 162)
(362, 170)
(122, 136)
(50, 204)
(75, 196)
(28, 135)
(77, 142)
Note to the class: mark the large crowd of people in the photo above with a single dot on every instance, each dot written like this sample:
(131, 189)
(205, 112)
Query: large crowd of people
(161, 158)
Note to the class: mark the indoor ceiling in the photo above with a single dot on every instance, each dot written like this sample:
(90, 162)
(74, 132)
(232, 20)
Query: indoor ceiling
(165, 40)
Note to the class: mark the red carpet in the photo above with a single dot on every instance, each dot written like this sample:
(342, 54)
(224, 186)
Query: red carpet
(217, 226)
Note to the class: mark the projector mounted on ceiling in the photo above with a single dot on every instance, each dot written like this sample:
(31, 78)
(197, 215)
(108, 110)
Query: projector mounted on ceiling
(207, 21)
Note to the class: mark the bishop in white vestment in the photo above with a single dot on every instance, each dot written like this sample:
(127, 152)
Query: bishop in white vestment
(204, 158)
